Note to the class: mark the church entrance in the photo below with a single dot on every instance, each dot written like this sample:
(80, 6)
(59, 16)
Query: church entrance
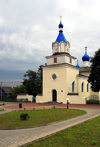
(54, 95)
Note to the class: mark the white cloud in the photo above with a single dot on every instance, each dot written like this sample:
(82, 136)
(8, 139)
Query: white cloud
(28, 28)
(1, 21)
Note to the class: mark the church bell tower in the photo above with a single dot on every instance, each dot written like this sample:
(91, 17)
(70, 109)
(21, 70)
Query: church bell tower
(61, 45)
(61, 50)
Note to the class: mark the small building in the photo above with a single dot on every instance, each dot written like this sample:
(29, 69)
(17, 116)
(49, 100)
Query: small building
(5, 91)
(63, 77)
(24, 97)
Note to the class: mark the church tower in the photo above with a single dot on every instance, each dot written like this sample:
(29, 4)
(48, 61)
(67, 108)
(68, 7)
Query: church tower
(61, 50)
(61, 45)
(62, 78)
(60, 71)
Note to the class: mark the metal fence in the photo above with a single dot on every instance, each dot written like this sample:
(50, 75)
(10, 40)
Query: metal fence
(9, 83)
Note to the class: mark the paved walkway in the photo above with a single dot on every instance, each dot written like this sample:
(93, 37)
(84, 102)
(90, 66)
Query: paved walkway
(15, 106)
(15, 138)
(5, 111)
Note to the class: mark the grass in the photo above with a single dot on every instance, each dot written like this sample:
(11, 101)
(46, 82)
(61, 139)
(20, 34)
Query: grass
(37, 117)
(1, 109)
(83, 135)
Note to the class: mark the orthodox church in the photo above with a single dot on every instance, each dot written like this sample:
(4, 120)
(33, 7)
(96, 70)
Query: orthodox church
(63, 77)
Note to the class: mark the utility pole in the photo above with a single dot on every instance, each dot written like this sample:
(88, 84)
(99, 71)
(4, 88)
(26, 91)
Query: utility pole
(1, 90)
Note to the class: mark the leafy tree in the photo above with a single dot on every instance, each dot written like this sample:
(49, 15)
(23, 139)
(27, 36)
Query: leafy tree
(20, 89)
(94, 77)
(40, 77)
(33, 82)
(40, 72)
(17, 90)
(12, 96)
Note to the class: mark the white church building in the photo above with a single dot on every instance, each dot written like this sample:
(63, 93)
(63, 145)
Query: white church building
(62, 76)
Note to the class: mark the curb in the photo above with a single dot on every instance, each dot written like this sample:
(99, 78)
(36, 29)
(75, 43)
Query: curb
(45, 135)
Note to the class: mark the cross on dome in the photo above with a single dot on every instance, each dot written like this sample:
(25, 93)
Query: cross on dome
(85, 57)
(86, 49)
(61, 36)
(61, 45)
(61, 18)
(60, 26)
(77, 65)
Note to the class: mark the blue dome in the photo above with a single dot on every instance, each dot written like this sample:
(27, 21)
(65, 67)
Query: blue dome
(61, 37)
(77, 66)
(85, 57)
(60, 25)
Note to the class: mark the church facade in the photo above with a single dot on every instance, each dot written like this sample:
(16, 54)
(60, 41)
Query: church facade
(62, 76)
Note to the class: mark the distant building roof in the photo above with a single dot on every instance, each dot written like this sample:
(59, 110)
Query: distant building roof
(77, 66)
(8, 89)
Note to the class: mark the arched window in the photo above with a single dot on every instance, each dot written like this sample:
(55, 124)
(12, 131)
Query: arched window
(73, 86)
(82, 87)
(87, 87)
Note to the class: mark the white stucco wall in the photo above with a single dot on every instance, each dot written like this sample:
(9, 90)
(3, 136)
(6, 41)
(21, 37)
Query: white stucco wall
(73, 62)
(85, 93)
(85, 73)
(63, 85)
(60, 47)
(60, 59)
(86, 63)
(76, 99)
(25, 96)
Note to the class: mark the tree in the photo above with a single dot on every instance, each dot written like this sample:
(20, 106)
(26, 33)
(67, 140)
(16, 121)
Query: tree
(40, 72)
(20, 89)
(17, 90)
(94, 77)
(33, 82)
(40, 77)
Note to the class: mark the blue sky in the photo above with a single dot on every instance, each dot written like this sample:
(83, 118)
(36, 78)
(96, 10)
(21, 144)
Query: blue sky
(28, 28)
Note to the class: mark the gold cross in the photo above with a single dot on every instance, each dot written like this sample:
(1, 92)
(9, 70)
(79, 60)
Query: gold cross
(86, 49)
(61, 18)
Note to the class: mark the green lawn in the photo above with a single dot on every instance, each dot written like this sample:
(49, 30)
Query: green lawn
(37, 117)
(83, 135)
(1, 109)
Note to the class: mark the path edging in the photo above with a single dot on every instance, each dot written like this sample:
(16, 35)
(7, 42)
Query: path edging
(45, 135)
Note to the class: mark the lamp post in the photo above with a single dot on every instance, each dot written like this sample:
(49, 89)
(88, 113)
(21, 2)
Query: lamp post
(1, 90)
(67, 103)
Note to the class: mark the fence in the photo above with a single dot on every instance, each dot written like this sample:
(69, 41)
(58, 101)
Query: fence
(9, 83)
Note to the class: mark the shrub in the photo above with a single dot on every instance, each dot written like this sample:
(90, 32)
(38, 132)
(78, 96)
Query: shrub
(93, 142)
(93, 102)
(23, 100)
(8, 100)
(24, 116)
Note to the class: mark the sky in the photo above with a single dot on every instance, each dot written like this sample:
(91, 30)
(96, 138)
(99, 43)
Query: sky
(28, 28)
